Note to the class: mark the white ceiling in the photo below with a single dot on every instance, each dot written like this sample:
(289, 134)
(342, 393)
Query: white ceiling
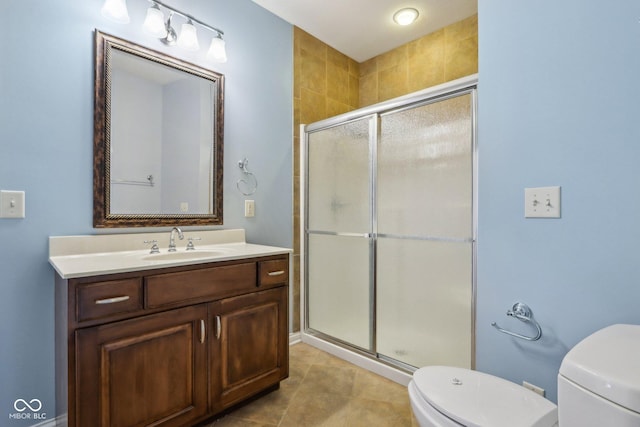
(362, 29)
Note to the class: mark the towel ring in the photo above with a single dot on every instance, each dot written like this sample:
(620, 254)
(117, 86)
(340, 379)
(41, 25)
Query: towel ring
(521, 312)
(242, 164)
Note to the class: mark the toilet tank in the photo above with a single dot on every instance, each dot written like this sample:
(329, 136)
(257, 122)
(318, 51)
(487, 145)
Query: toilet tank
(599, 380)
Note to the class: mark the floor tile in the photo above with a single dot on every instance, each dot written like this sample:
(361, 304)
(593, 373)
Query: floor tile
(325, 391)
(368, 385)
(375, 413)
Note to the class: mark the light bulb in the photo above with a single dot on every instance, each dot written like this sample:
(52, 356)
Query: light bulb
(405, 16)
(188, 38)
(154, 22)
(217, 51)
(116, 10)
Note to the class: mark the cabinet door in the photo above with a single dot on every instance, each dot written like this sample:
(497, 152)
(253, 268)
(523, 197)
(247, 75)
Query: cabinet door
(149, 370)
(250, 349)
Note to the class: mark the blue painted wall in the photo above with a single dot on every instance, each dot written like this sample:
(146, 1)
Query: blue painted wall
(558, 105)
(46, 150)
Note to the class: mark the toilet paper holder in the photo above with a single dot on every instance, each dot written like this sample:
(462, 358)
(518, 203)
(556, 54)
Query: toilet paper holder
(521, 312)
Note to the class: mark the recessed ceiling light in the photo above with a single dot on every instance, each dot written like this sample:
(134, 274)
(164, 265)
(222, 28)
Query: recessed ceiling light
(405, 16)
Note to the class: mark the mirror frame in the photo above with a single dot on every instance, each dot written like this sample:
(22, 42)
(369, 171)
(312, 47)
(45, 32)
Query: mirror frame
(104, 43)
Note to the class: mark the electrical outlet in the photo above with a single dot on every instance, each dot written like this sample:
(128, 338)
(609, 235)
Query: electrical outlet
(249, 208)
(533, 388)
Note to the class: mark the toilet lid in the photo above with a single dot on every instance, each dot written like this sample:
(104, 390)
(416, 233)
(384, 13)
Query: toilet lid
(476, 399)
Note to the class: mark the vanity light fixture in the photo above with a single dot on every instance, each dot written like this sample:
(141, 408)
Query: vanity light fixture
(154, 22)
(170, 36)
(217, 51)
(116, 10)
(156, 25)
(406, 16)
(188, 38)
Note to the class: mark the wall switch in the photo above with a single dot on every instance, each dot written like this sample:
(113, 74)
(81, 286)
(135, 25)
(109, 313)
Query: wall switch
(533, 388)
(11, 204)
(184, 206)
(249, 208)
(542, 202)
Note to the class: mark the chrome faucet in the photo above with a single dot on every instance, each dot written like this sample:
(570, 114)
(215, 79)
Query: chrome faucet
(172, 238)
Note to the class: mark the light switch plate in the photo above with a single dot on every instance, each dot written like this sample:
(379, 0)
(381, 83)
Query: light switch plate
(11, 204)
(249, 208)
(542, 202)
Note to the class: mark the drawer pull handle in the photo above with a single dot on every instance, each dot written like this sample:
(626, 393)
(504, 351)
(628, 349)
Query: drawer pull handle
(276, 273)
(112, 300)
(218, 327)
(202, 331)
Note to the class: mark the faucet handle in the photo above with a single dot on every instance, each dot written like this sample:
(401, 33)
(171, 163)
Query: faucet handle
(154, 246)
(190, 246)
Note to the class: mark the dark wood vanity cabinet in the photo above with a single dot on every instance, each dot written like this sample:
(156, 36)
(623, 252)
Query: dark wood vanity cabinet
(150, 369)
(243, 354)
(171, 347)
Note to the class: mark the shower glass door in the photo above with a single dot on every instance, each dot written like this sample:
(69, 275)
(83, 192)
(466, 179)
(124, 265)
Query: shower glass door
(389, 229)
(424, 245)
(338, 236)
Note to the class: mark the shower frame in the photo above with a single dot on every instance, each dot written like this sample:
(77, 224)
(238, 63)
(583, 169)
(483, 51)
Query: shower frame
(385, 366)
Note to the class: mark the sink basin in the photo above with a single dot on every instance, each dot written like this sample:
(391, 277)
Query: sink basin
(183, 255)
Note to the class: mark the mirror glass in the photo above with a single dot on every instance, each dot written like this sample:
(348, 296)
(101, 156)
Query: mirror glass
(158, 138)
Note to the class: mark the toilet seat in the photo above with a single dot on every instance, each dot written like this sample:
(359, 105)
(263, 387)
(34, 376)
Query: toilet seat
(424, 412)
(470, 398)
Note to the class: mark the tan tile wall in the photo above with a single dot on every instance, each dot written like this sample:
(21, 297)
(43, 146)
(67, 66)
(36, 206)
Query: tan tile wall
(328, 83)
(439, 57)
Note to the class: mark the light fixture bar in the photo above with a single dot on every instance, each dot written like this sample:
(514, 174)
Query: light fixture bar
(187, 16)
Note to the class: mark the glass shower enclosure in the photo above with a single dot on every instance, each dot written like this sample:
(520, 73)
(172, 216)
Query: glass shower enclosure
(389, 228)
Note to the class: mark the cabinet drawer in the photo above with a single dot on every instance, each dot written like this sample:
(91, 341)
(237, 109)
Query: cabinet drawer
(102, 299)
(215, 282)
(273, 272)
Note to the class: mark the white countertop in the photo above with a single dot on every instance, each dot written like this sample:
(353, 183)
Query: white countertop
(82, 256)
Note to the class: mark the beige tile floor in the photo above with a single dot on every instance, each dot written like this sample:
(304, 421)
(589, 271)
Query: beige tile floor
(325, 391)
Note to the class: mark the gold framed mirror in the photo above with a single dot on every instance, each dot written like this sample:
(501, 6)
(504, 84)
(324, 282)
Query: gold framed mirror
(158, 138)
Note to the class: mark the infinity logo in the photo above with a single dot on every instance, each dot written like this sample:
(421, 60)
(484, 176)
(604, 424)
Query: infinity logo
(21, 405)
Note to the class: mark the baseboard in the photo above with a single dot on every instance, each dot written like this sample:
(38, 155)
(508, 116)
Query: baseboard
(364, 362)
(295, 338)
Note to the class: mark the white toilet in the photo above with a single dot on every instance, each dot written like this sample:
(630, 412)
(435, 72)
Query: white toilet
(598, 385)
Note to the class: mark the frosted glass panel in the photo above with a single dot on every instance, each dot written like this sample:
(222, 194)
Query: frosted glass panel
(417, 206)
(425, 170)
(339, 178)
(423, 298)
(338, 287)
